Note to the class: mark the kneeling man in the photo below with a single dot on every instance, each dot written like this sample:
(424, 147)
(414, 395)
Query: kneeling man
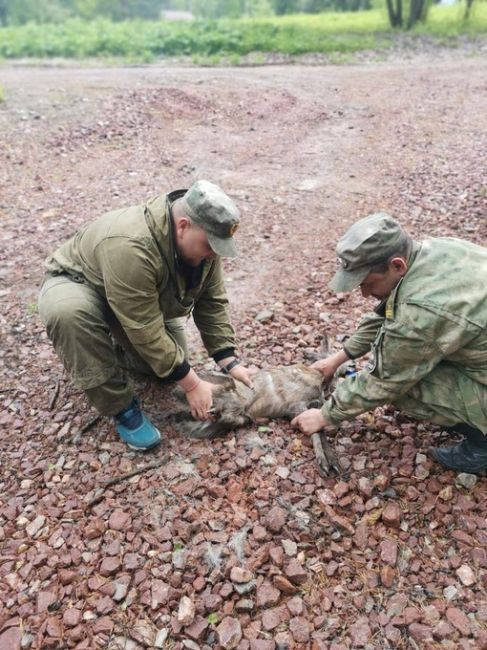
(428, 335)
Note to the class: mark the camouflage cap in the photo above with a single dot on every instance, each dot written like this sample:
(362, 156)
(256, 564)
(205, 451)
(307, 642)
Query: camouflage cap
(210, 208)
(368, 242)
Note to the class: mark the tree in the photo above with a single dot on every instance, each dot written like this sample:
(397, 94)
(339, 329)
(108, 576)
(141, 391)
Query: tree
(416, 11)
(468, 9)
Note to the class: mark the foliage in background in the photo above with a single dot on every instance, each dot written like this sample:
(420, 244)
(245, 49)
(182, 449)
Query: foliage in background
(139, 40)
(406, 13)
(19, 12)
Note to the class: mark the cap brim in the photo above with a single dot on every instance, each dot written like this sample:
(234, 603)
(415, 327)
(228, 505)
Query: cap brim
(345, 281)
(224, 247)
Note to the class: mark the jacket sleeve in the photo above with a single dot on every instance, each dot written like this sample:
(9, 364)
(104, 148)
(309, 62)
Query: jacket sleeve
(211, 315)
(404, 351)
(130, 280)
(361, 340)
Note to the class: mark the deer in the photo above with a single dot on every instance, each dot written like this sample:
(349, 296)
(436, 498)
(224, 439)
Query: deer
(280, 392)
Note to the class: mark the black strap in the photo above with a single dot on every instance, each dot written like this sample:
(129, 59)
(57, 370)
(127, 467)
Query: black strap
(226, 369)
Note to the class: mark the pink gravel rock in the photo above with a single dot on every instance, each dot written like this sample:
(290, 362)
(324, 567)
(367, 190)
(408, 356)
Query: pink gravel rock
(229, 633)
(44, 599)
(388, 551)
(66, 576)
(365, 486)
(275, 519)
(420, 633)
(72, 617)
(283, 584)
(466, 575)
(259, 533)
(199, 584)
(341, 488)
(197, 629)
(360, 633)
(411, 615)
(103, 625)
(211, 602)
(10, 639)
(262, 644)
(361, 536)
(326, 497)
(296, 573)
(276, 554)
(76, 633)
(239, 575)
(295, 606)
(459, 620)
(95, 528)
(119, 520)
(393, 634)
(160, 593)
(271, 618)
(34, 527)
(387, 576)
(109, 566)
(340, 522)
(186, 611)
(300, 629)
(54, 627)
(267, 595)
(104, 605)
(443, 630)
(392, 514)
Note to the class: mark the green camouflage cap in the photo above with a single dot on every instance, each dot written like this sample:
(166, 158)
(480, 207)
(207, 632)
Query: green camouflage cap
(368, 242)
(209, 207)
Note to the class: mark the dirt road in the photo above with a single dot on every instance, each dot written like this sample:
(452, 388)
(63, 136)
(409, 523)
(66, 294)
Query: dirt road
(304, 151)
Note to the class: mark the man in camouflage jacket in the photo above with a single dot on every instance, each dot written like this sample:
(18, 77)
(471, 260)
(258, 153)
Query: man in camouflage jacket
(427, 336)
(133, 275)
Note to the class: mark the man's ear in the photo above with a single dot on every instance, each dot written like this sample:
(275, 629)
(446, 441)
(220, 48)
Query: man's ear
(400, 265)
(183, 223)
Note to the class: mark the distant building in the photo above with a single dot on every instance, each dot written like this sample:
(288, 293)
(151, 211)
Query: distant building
(173, 14)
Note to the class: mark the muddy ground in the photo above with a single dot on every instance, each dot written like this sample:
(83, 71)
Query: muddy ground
(389, 555)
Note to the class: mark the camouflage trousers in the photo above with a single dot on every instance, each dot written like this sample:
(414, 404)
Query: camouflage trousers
(446, 396)
(91, 343)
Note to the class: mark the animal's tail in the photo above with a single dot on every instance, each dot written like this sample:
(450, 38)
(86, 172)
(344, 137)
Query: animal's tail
(204, 430)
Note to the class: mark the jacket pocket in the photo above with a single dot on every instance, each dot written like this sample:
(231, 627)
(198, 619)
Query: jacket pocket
(376, 363)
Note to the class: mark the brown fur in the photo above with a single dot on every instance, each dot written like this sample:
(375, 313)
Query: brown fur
(280, 392)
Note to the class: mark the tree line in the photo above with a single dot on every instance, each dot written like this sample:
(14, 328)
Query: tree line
(402, 13)
(18, 12)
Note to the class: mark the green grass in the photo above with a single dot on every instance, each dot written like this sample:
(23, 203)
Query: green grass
(228, 40)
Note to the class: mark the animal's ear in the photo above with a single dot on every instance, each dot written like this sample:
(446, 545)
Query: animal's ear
(318, 353)
(225, 381)
(324, 349)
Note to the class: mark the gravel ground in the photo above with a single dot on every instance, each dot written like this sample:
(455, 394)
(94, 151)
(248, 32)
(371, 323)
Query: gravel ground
(238, 542)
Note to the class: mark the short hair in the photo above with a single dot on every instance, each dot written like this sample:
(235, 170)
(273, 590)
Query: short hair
(404, 250)
(179, 209)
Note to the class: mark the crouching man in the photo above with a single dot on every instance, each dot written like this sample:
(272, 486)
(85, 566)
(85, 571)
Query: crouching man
(117, 293)
(428, 336)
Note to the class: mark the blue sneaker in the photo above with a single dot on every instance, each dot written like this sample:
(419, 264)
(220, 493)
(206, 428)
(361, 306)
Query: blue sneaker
(135, 428)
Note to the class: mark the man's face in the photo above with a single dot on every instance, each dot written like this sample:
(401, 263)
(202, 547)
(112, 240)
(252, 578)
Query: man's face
(380, 285)
(192, 243)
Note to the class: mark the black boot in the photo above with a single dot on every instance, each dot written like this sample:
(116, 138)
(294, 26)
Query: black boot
(469, 456)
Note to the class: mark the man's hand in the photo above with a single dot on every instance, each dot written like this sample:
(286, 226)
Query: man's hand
(329, 366)
(243, 374)
(310, 421)
(200, 399)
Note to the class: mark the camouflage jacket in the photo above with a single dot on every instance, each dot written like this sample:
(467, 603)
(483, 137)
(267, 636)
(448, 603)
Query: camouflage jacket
(129, 257)
(437, 313)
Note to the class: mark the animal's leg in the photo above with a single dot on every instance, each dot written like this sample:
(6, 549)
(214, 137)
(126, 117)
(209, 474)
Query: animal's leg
(325, 454)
